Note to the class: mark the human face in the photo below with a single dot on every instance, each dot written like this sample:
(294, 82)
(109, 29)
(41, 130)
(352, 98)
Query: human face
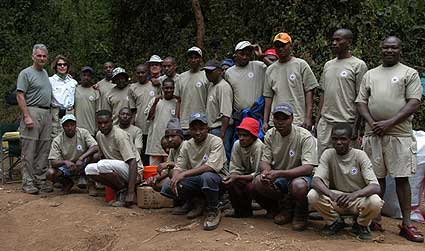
(340, 141)
(391, 51)
(198, 131)
(61, 67)
(169, 68)
(142, 74)
(107, 70)
(120, 80)
(168, 90)
(282, 50)
(224, 69)
(155, 68)
(104, 123)
(69, 127)
(245, 138)
(86, 78)
(173, 139)
(39, 58)
(242, 57)
(340, 44)
(194, 60)
(213, 76)
(283, 123)
(272, 58)
(124, 117)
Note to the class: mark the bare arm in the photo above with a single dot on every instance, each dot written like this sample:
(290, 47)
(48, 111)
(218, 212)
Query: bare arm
(92, 150)
(308, 110)
(363, 110)
(267, 108)
(151, 114)
(20, 97)
(178, 108)
(225, 123)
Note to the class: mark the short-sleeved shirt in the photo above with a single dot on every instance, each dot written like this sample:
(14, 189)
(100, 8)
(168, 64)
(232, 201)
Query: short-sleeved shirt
(247, 83)
(164, 111)
(65, 148)
(163, 77)
(87, 103)
(340, 83)
(36, 86)
(386, 90)
(139, 96)
(174, 153)
(192, 88)
(117, 145)
(346, 173)
(287, 83)
(136, 135)
(63, 91)
(284, 153)
(245, 160)
(210, 153)
(104, 87)
(219, 104)
(117, 99)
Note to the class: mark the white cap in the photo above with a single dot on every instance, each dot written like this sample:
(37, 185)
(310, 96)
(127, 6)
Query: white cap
(155, 59)
(68, 117)
(196, 50)
(242, 45)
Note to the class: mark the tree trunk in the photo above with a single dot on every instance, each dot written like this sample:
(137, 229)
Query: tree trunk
(200, 24)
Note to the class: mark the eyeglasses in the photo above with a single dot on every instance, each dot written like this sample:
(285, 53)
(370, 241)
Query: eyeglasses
(62, 65)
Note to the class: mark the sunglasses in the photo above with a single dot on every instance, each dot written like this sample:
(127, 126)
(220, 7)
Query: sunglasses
(62, 65)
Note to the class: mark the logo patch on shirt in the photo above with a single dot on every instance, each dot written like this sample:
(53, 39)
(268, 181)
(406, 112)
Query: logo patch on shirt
(198, 84)
(292, 77)
(250, 74)
(79, 147)
(354, 171)
(205, 158)
(394, 79)
(91, 98)
(291, 153)
(210, 98)
(127, 97)
(173, 112)
(343, 74)
(151, 93)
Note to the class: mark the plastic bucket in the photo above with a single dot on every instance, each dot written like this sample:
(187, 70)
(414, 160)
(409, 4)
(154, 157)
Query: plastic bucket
(149, 171)
(109, 194)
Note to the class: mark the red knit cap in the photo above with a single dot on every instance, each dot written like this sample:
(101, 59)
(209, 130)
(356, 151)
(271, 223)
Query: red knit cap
(251, 125)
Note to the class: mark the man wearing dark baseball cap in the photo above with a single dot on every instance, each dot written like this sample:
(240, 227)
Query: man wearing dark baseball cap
(286, 166)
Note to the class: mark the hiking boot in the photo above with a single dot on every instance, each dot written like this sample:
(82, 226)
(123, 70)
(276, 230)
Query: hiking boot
(283, 218)
(334, 228)
(92, 188)
(45, 188)
(197, 209)
(181, 210)
(30, 189)
(119, 198)
(82, 182)
(362, 232)
(213, 219)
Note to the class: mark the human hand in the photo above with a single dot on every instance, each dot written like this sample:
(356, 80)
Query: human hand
(177, 177)
(380, 127)
(265, 127)
(29, 123)
(344, 199)
(307, 124)
(230, 179)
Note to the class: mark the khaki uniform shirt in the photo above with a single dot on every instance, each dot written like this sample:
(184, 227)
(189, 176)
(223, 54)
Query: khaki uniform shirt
(163, 77)
(165, 110)
(296, 149)
(117, 145)
(386, 90)
(139, 96)
(219, 104)
(104, 87)
(210, 153)
(340, 83)
(288, 82)
(135, 134)
(192, 88)
(117, 99)
(247, 83)
(36, 86)
(65, 148)
(245, 160)
(87, 103)
(347, 173)
(174, 153)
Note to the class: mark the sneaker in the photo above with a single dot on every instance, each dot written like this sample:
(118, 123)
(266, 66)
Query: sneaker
(45, 188)
(363, 232)
(119, 198)
(283, 218)
(30, 190)
(198, 206)
(82, 182)
(181, 210)
(213, 219)
(334, 228)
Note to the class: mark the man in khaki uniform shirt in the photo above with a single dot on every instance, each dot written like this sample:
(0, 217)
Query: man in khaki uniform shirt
(389, 95)
(70, 152)
(34, 95)
(344, 184)
(191, 90)
(219, 105)
(120, 167)
(105, 85)
(285, 169)
(117, 97)
(169, 66)
(246, 155)
(198, 172)
(87, 102)
(339, 86)
(125, 116)
(289, 80)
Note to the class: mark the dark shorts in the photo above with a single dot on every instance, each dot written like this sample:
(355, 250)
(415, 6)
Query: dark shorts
(283, 184)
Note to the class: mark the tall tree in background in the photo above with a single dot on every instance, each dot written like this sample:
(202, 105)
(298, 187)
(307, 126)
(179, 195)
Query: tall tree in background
(200, 24)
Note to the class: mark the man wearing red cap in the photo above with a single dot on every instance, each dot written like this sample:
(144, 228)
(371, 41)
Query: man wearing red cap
(289, 80)
(246, 155)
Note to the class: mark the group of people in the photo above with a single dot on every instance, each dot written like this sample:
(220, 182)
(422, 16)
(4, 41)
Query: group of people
(242, 127)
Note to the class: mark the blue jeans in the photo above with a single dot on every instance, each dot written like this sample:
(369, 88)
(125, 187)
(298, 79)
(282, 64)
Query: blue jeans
(228, 136)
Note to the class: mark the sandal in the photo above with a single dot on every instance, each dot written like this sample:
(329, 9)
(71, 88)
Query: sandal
(411, 233)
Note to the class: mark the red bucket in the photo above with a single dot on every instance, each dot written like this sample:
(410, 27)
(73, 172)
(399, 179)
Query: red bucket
(109, 194)
(149, 171)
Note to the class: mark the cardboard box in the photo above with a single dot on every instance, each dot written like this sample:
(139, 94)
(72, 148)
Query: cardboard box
(149, 198)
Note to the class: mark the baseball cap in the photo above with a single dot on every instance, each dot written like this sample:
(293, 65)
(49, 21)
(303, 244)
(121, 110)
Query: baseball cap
(198, 117)
(118, 71)
(195, 50)
(283, 37)
(174, 125)
(227, 61)
(87, 68)
(211, 65)
(155, 59)
(251, 125)
(271, 51)
(68, 117)
(284, 108)
(242, 45)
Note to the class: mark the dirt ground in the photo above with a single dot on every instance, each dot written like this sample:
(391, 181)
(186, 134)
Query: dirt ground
(80, 222)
